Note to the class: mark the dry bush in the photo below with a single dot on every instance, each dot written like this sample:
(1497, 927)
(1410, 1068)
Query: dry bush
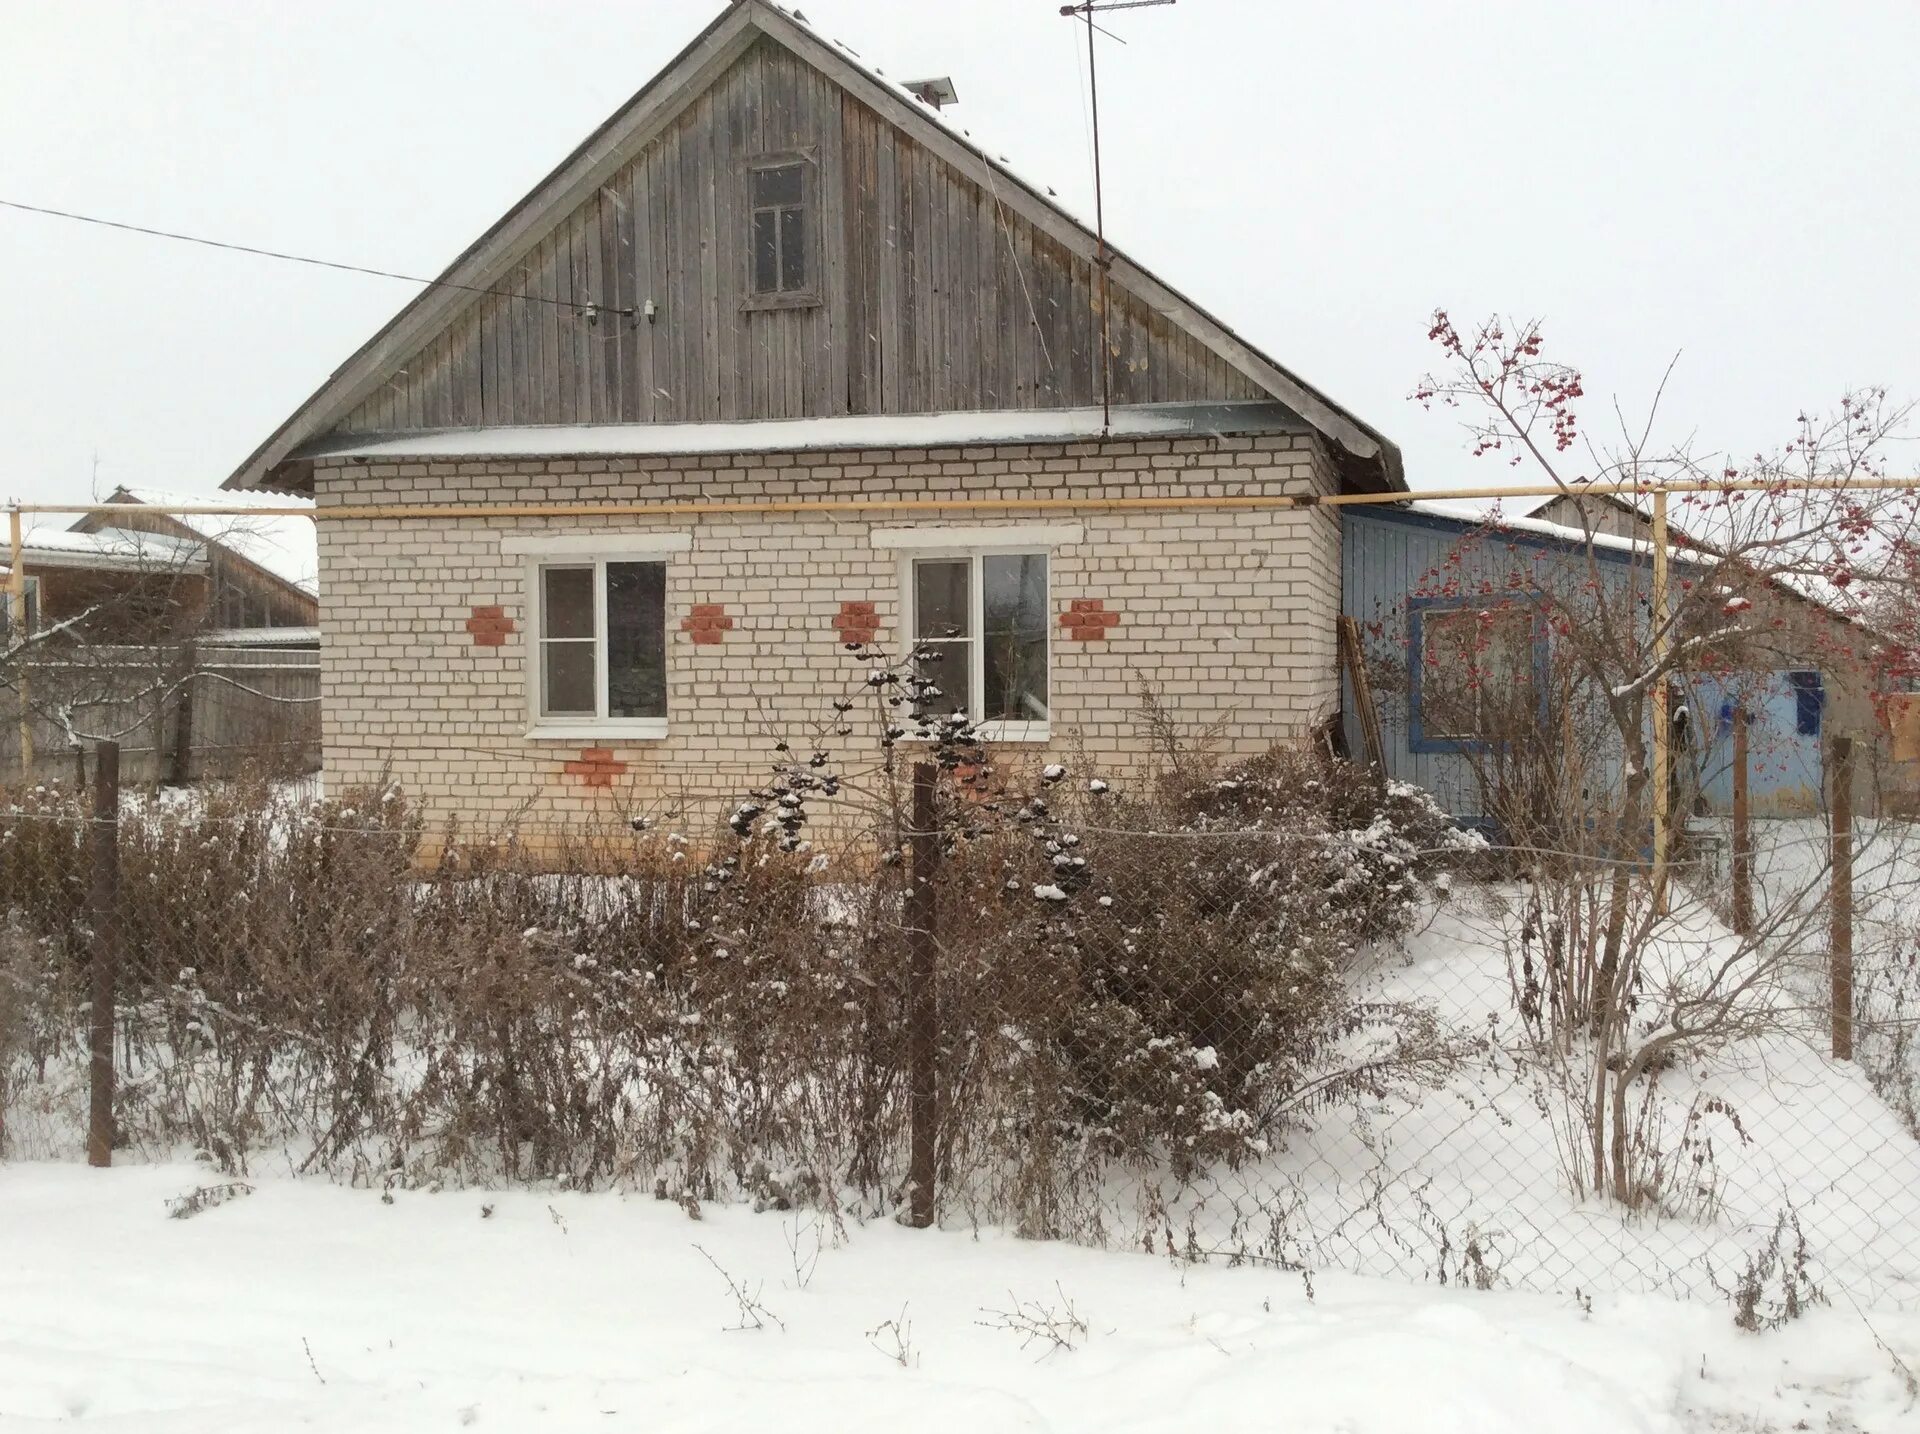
(301, 983)
(1171, 986)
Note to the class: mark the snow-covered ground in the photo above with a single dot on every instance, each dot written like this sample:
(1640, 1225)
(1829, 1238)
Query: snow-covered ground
(313, 1306)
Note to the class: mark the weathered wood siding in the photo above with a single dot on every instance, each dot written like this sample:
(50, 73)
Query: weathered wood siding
(933, 295)
(246, 708)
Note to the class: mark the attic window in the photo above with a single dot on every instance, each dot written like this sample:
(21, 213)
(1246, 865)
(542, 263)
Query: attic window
(780, 252)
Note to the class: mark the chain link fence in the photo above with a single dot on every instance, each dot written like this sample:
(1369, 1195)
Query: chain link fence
(1289, 1018)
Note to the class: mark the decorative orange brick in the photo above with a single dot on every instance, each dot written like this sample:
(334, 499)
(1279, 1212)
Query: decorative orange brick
(595, 767)
(706, 622)
(858, 621)
(1087, 619)
(489, 625)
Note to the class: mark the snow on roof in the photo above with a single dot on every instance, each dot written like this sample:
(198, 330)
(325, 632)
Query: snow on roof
(1813, 589)
(288, 548)
(912, 430)
(1497, 518)
(261, 637)
(112, 548)
(1702, 520)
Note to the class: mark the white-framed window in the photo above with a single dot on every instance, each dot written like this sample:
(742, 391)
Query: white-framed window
(597, 646)
(985, 612)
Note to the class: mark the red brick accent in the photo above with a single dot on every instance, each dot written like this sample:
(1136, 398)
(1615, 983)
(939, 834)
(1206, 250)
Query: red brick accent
(857, 622)
(595, 767)
(489, 625)
(1087, 620)
(707, 622)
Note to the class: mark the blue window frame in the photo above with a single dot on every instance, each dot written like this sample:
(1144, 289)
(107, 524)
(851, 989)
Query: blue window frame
(1498, 650)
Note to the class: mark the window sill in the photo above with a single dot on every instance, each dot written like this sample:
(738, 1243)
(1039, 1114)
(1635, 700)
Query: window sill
(634, 731)
(755, 303)
(1001, 734)
(1016, 733)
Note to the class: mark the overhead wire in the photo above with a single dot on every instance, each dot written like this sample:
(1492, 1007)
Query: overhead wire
(589, 307)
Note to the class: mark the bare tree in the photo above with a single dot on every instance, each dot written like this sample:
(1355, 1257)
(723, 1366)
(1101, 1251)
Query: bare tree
(115, 650)
(1555, 661)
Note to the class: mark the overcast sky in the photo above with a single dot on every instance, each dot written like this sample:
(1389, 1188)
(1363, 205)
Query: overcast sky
(1734, 181)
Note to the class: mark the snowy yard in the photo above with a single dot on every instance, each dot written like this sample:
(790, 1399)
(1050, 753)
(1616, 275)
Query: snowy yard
(1461, 1280)
(310, 1305)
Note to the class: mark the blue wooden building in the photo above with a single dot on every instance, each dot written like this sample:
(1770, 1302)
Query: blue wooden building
(1428, 581)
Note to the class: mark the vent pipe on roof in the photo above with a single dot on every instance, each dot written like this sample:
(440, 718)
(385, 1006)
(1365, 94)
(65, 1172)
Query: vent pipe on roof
(939, 93)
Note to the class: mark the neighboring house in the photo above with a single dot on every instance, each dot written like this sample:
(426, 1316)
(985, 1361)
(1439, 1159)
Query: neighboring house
(1431, 582)
(120, 586)
(146, 577)
(191, 640)
(775, 286)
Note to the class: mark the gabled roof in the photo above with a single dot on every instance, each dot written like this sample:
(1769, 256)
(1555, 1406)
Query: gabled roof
(112, 550)
(643, 117)
(284, 549)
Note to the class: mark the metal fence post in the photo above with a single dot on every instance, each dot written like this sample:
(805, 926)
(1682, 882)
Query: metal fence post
(103, 897)
(1840, 896)
(1742, 829)
(922, 1003)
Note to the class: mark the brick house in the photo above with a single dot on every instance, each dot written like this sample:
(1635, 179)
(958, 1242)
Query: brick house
(779, 360)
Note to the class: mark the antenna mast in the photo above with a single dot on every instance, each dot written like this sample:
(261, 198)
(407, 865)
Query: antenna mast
(1102, 260)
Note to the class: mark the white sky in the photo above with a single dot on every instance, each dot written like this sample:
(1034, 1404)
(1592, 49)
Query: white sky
(1739, 182)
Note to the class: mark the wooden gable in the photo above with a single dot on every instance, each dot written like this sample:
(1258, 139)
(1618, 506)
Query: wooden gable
(933, 294)
(942, 282)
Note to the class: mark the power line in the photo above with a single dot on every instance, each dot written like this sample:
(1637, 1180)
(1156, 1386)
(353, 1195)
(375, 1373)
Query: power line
(588, 307)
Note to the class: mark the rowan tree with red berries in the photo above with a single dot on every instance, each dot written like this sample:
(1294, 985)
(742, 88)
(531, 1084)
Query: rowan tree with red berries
(1540, 649)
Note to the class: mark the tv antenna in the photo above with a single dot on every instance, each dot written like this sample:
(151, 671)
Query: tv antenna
(1102, 260)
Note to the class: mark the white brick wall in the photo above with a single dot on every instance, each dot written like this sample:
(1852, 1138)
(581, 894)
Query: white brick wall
(1229, 613)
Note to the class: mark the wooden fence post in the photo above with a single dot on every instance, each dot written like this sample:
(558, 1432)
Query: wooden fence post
(1662, 737)
(1840, 896)
(1742, 829)
(180, 763)
(922, 1003)
(103, 899)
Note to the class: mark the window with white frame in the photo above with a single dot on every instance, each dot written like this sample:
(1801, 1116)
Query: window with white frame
(985, 615)
(600, 644)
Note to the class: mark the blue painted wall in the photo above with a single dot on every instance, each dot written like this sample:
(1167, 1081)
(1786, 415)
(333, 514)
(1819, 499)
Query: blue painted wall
(1397, 564)
(1786, 719)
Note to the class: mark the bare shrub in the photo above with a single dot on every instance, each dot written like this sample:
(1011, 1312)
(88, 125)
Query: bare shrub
(1776, 1286)
(206, 1197)
(1054, 1327)
(1162, 986)
(753, 1314)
